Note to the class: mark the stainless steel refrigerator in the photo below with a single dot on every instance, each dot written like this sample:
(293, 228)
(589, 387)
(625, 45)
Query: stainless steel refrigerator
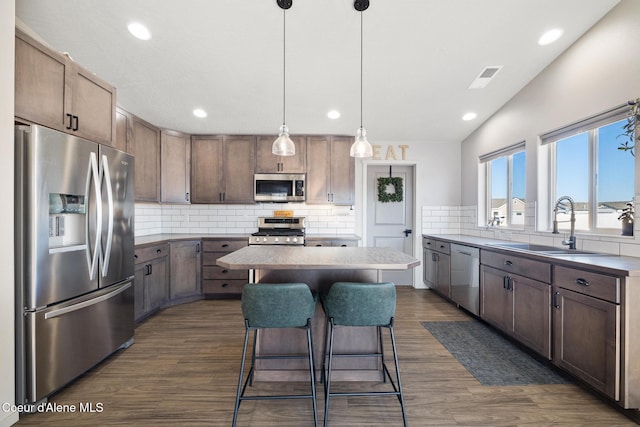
(74, 257)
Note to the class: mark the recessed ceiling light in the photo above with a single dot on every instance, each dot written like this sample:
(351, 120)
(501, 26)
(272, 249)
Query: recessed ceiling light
(550, 36)
(139, 31)
(333, 114)
(469, 116)
(200, 113)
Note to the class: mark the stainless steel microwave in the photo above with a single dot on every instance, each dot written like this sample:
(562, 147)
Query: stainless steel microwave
(279, 187)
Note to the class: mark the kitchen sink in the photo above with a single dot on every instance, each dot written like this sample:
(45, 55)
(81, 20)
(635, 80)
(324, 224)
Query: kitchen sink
(543, 249)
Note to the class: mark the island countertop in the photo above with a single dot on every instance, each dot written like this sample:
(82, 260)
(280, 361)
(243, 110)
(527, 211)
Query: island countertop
(317, 258)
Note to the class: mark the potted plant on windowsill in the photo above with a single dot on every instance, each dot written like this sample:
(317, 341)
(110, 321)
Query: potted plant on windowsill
(629, 129)
(626, 217)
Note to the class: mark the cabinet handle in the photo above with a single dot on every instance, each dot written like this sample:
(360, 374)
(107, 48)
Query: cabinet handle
(510, 284)
(186, 196)
(225, 245)
(70, 125)
(508, 263)
(555, 299)
(150, 269)
(77, 123)
(505, 279)
(225, 285)
(428, 243)
(582, 282)
(198, 248)
(135, 256)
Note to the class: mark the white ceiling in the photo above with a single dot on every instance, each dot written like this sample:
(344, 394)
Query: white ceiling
(225, 56)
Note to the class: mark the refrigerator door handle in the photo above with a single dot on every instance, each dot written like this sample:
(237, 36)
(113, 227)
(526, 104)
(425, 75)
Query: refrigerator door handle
(93, 175)
(104, 173)
(87, 303)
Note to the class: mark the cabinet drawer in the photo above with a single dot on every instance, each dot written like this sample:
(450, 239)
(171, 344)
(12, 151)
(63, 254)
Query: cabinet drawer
(313, 242)
(436, 245)
(224, 287)
(147, 253)
(594, 284)
(224, 245)
(537, 270)
(215, 272)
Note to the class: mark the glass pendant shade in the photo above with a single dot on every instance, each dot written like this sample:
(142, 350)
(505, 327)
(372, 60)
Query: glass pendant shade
(361, 147)
(283, 145)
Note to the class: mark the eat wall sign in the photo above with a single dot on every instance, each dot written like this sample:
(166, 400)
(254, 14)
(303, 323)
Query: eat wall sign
(391, 153)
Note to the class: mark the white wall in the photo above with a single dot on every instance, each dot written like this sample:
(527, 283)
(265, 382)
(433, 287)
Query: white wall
(600, 71)
(7, 349)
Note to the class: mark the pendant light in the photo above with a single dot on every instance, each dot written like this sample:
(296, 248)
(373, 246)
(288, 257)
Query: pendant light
(361, 147)
(283, 145)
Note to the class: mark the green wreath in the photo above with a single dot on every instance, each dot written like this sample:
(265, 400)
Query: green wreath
(383, 195)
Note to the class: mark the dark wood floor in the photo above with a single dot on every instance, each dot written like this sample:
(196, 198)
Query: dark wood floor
(183, 367)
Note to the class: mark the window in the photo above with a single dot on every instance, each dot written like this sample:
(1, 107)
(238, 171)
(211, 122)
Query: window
(505, 186)
(587, 166)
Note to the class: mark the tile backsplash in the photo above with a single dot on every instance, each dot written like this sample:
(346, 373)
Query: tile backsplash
(228, 219)
(463, 220)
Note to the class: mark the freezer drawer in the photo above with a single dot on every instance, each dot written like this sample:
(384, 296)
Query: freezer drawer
(65, 340)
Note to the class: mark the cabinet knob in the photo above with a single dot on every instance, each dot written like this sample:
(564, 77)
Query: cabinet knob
(508, 263)
(159, 251)
(225, 285)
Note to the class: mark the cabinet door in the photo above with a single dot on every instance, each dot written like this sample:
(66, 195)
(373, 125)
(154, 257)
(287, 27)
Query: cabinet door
(587, 339)
(157, 284)
(40, 83)
(531, 314)
(318, 170)
(239, 160)
(175, 162)
(93, 105)
(123, 130)
(139, 291)
(206, 169)
(185, 269)
(342, 171)
(266, 162)
(494, 302)
(443, 274)
(145, 146)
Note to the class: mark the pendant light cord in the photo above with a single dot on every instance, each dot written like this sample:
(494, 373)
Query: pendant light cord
(284, 65)
(361, 44)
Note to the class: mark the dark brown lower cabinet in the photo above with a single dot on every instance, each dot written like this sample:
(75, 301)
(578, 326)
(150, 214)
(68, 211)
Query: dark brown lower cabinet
(151, 281)
(219, 282)
(185, 269)
(587, 324)
(518, 306)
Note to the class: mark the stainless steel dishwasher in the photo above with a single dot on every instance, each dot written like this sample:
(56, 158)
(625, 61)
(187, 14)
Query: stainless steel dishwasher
(465, 277)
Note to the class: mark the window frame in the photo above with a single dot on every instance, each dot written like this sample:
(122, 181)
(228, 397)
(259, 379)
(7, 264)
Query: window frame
(485, 161)
(589, 126)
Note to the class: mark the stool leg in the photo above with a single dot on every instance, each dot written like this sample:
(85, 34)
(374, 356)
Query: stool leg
(253, 358)
(384, 375)
(327, 385)
(324, 351)
(239, 392)
(312, 372)
(395, 360)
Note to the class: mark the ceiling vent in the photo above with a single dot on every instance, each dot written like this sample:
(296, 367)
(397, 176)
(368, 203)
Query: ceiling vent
(485, 76)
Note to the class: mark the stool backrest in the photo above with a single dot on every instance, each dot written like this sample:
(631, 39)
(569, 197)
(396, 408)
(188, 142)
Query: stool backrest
(277, 305)
(360, 304)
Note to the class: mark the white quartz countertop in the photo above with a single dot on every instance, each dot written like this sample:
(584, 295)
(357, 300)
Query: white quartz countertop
(295, 257)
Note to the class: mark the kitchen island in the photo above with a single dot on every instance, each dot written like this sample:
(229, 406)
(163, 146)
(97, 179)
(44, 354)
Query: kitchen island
(319, 267)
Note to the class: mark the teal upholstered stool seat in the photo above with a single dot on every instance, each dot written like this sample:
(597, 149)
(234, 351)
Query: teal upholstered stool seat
(360, 304)
(280, 305)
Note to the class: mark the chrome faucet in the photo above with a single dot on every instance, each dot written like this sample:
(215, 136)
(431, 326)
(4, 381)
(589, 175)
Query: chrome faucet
(571, 242)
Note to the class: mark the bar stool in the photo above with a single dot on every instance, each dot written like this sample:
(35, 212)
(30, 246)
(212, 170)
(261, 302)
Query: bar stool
(281, 305)
(360, 304)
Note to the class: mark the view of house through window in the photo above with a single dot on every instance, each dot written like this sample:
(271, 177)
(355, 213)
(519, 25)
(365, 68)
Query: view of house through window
(506, 190)
(591, 170)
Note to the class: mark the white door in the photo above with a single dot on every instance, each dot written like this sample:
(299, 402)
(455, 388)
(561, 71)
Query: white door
(390, 214)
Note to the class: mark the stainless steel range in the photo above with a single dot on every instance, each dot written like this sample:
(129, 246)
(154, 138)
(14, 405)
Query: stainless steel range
(279, 231)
